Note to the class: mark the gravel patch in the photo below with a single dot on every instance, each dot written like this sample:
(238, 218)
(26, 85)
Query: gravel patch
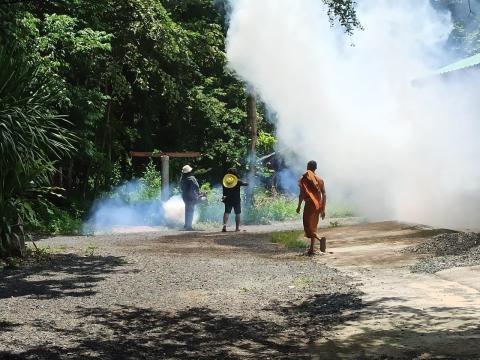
(193, 296)
(446, 251)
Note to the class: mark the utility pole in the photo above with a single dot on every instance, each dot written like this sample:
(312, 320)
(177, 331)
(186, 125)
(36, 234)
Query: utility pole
(252, 156)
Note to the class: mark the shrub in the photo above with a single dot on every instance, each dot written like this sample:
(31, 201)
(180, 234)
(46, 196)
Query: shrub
(268, 208)
(32, 136)
(152, 183)
(56, 221)
(211, 210)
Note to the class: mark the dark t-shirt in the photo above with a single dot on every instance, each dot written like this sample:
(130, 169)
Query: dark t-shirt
(232, 195)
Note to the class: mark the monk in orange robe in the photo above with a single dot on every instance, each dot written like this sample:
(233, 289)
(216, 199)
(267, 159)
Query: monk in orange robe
(312, 191)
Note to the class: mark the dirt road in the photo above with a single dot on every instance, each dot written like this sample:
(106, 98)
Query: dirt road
(405, 315)
(208, 295)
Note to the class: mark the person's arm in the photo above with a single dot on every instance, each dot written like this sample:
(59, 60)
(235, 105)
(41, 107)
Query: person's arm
(299, 206)
(301, 197)
(195, 188)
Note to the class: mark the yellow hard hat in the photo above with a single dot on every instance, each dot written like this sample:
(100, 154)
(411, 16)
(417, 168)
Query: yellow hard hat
(230, 181)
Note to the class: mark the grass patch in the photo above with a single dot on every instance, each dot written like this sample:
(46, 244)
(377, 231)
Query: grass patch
(90, 248)
(290, 239)
(302, 282)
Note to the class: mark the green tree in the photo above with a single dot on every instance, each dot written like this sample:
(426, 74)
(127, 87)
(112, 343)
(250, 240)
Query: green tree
(128, 75)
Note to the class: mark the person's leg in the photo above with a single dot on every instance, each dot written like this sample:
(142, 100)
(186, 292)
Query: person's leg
(186, 215)
(307, 220)
(237, 222)
(189, 210)
(311, 251)
(225, 221)
(238, 211)
(322, 240)
(228, 210)
(323, 243)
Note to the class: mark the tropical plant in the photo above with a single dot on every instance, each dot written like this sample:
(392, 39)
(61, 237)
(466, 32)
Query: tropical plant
(31, 137)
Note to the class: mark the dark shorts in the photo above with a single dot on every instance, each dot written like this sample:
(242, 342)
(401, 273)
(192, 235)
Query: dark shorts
(235, 205)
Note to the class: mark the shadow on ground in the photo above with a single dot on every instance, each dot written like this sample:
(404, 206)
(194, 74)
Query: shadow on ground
(6, 326)
(62, 275)
(407, 333)
(302, 332)
(196, 333)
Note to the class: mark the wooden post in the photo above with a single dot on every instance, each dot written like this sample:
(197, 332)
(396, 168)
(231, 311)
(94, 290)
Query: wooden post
(165, 160)
(165, 177)
(252, 123)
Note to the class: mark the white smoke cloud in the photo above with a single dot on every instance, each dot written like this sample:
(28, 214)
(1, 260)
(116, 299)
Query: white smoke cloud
(393, 148)
(125, 209)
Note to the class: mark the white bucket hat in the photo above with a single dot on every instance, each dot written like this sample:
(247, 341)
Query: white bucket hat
(186, 169)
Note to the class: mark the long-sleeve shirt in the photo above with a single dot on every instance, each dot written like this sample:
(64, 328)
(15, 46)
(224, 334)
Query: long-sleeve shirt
(190, 188)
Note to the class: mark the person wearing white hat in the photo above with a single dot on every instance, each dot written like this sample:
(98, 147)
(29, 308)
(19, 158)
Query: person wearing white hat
(190, 193)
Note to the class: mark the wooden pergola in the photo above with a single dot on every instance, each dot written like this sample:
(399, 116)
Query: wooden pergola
(165, 167)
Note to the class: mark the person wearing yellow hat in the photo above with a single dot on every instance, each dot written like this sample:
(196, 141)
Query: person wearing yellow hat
(231, 197)
(190, 194)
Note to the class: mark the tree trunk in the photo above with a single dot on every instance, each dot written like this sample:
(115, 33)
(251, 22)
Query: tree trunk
(252, 156)
(70, 175)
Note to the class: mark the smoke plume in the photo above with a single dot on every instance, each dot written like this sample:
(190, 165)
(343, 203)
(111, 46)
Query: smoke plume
(393, 147)
(127, 208)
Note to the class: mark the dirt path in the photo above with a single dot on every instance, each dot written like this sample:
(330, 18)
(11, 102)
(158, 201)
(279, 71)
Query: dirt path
(406, 315)
(208, 295)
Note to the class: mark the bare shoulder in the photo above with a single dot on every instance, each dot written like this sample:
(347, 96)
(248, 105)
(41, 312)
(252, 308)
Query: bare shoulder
(320, 181)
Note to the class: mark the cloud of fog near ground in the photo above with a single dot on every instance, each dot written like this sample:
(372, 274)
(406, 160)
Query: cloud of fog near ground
(392, 147)
(125, 207)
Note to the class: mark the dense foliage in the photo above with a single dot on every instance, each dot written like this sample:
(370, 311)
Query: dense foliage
(31, 136)
(465, 37)
(84, 82)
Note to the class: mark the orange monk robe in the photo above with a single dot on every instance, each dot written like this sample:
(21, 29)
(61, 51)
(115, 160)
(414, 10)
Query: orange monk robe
(311, 189)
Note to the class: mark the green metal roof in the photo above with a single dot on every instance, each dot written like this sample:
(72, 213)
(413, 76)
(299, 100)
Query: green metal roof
(460, 65)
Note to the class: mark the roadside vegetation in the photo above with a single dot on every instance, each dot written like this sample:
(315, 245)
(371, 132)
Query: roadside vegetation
(80, 89)
(290, 239)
